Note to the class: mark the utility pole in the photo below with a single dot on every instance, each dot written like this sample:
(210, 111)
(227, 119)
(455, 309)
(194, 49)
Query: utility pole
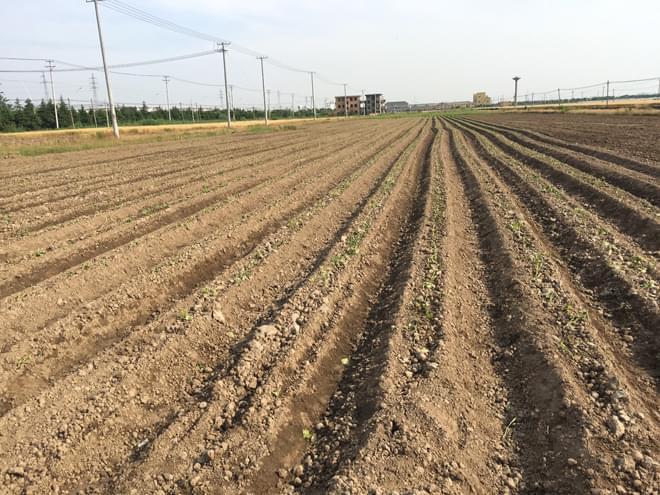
(559, 96)
(268, 107)
(50, 68)
(115, 127)
(607, 97)
(263, 88)
(515, 90)
(293, 105)
(532, 98)
(345, 102)
(313, 99)
(43, 81)
(73, 122)
(279, 105)
(166, 79)
(192, 112)
(658, 87)
(231, 100)
(223, 49)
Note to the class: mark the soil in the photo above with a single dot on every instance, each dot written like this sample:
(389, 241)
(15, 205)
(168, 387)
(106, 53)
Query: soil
(636, 136)
(429, 305)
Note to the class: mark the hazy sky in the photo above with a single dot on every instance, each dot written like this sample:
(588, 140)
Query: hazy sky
(420, 51)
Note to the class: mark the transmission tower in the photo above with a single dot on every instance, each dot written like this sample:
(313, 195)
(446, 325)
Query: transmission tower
(43, 81)
(92, 82)
(50, 66)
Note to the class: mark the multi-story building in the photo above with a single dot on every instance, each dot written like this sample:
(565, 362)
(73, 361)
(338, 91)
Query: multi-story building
(481, 99)
(397, 106)
(375, 103)
(352, 102)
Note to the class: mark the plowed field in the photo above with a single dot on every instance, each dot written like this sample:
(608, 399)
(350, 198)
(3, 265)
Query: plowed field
(438, 305)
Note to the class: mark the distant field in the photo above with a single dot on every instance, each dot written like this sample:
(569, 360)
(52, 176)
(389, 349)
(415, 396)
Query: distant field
(630, 106)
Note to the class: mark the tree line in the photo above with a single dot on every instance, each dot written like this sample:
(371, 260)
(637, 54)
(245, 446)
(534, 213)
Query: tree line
(26, 116)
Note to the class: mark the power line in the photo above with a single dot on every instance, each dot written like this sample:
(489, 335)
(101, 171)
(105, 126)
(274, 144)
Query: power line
(77, 68)
(141, 15)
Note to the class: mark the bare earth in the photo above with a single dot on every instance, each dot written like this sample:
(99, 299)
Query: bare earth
(437, 305)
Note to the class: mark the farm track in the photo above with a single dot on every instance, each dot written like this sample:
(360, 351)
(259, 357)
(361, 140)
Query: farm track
(421, 306)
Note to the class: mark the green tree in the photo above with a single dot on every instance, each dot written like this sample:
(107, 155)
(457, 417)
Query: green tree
(63, 114)
(46, 113)
(7, 123)
(29, 118)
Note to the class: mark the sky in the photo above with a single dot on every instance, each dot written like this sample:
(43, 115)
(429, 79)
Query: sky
(420, 51)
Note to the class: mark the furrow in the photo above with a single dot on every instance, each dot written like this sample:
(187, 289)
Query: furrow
(51, 194)
(440, 426)
(206, 343)
(546, 424)
(133, 153)
(134, 208)
(649, 169)
(634, 220)
(40, 271)
(642, 186)
(626, 293)
(602, 384)
(132, 302)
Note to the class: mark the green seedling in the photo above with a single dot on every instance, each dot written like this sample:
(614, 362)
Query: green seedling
(516, 226)
(308, 435)
(23, 361)
(538, 261)
(184, 315)
(576, 317)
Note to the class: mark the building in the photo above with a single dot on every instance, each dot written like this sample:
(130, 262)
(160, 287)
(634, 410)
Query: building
(447, 105)
(425, 107)
(375, 103)
(397, 106)
(481, 99)
(352, 101)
